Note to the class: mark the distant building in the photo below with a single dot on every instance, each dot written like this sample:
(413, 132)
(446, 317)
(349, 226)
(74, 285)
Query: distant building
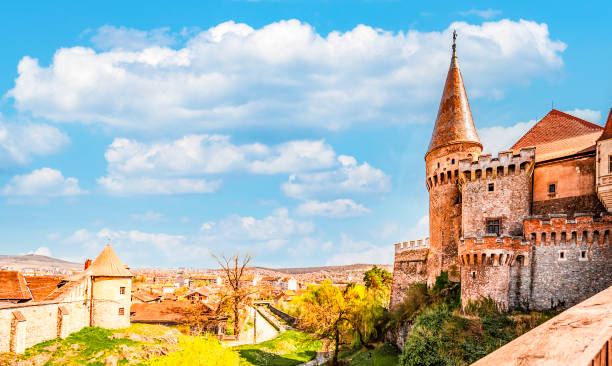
(34, 310)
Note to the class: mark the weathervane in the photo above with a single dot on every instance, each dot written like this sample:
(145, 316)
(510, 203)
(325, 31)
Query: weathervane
(454, 40)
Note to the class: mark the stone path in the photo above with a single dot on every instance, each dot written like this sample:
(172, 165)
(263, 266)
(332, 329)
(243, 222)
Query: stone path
(265, 331)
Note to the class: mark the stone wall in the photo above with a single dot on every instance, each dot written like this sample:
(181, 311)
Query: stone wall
(108, 302)
(496, 188)
(42, 321)
(409, 267)
(571, 260)
(569, 205)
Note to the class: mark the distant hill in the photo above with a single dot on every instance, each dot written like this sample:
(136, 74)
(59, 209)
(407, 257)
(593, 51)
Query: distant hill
(36, 261)
(359, 267)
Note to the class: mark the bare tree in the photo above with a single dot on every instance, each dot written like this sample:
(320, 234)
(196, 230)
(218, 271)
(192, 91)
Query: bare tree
(233, 268)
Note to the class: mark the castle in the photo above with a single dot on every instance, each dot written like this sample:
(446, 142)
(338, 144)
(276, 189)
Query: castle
(530, 228)
(38, 309)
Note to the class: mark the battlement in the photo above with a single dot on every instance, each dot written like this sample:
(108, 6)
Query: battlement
(493, 250)
(422, 243)
(506, 163)
(583, 229)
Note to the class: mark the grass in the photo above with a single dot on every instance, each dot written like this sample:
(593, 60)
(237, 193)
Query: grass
(383, 355)
(289, 348)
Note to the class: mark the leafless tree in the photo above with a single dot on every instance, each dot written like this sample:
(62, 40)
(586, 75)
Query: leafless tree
(233, 268)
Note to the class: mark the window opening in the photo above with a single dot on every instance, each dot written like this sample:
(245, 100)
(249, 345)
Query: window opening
(493, 226)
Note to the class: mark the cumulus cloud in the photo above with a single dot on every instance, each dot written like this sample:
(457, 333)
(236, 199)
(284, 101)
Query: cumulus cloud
(44, 182)
(205, 154)
(270, 232)
(486, 13)
(284, 73)
(20, 142)
(42, 251)
(122, 186)
(348, 178)
(336, 208)
(586, 114)
(499, 138)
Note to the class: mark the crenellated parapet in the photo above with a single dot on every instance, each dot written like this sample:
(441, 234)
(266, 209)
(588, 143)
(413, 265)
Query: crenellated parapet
(506, 163)
(582, 229)
(422, 243)
(493, 250)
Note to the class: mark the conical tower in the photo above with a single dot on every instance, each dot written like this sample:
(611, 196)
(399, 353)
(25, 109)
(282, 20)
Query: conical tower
(454, 138)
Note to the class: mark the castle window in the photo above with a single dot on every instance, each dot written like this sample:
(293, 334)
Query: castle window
(583, 256)
(438, 165)
(553, 238)
(493, 226)
(562, 256)
(552, 188)
(473, 275)
(543, 239)
(121, 311)
(491, 187)
(563, 238)
(609, 163)
(574, 238)
(122, 290)
(453, 161)
(585, 237)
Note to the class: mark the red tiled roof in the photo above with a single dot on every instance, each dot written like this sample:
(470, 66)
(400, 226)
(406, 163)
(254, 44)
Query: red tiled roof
(108, 264)
(607, 133)
(43, 287)
(559, 134)
(170, 312)
(13, 286)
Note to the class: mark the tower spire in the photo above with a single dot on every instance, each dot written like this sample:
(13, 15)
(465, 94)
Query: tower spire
(454, 123)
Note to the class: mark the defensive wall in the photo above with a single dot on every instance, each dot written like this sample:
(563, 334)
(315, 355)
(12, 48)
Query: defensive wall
(410, 266)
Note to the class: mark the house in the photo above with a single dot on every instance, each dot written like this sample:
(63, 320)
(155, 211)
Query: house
(143, 297)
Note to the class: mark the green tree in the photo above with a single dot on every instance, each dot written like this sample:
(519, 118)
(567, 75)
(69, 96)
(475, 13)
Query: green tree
(377, 278)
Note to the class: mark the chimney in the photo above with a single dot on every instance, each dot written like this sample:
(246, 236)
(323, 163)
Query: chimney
(87, 263)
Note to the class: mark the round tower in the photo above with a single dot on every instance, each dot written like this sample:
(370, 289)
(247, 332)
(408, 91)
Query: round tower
(454, 138)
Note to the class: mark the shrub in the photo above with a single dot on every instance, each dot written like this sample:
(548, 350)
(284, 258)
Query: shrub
(199, 351)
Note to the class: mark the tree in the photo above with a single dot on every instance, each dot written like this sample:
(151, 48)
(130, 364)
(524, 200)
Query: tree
(339, 315)
(238, 297)
(377, 278)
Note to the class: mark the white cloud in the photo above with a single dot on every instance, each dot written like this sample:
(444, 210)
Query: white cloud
(205, 154)
(348, 178)
(44, 182)
(42, 251)
(123, 186)
(498, 138)
(336, 208)
(19, 142)
(486, 14)
(284, 73)
(270, 232)
(109, 37)
(586, 114)
(149, 216)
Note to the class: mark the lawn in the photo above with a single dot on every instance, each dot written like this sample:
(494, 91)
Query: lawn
(383, 355)
(289, 348)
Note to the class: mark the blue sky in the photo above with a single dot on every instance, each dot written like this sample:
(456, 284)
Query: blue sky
(294, 130)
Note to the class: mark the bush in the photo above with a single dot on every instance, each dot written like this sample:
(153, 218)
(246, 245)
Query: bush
(199, 351)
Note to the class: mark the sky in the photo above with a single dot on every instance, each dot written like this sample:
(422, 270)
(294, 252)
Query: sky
(291, 130)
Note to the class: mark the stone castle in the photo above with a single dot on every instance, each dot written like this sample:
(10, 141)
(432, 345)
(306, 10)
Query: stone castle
(34, 310)
(530, 228)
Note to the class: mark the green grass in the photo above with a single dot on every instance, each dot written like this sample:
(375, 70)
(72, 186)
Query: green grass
(289, 348)
(383, 355)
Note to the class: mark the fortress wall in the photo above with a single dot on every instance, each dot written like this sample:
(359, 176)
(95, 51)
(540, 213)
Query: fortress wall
(409, 267)
(108, 300)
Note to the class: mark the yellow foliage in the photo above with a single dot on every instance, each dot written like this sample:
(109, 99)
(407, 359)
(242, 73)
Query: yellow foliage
(199, 351)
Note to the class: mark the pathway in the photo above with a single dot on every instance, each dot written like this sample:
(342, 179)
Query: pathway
(265, 331)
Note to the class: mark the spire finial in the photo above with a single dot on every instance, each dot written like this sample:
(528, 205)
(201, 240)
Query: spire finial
(454, 41)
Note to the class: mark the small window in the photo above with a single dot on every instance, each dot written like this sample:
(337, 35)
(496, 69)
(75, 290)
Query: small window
(552, 188)
(583, 255)
(121, 311)
(493, 226)
(491, 187)
(562, 255)
(122, 290)
(609, 163)
(438, 165)
(473, 275)
(453, 161)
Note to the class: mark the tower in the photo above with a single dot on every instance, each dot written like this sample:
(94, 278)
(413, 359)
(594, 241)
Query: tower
(454, 138)
(110, 294)
(604, 165)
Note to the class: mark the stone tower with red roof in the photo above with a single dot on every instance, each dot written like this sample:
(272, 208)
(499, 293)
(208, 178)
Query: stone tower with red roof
(454, 138)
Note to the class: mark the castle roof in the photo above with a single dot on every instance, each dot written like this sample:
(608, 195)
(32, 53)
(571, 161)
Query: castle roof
(454, 123)
(44, 287)
(607, 133)
(13, 286)
(558, 135)
(108, 264)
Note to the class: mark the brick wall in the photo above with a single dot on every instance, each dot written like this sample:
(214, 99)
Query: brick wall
(588, 203)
